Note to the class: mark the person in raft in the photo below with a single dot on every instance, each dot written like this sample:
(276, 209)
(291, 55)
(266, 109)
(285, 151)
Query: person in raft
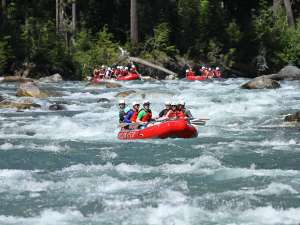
(165, 110)
(183, 112)
(145, 114)
(132, 114)
(122, 110)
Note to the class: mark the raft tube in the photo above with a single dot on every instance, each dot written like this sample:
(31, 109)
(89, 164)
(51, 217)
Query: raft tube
(196, 78)
(169, 129)
(130, 76)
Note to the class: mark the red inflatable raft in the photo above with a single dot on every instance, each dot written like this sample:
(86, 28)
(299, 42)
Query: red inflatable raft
(169, 129)
(196, 78)
(130, 76)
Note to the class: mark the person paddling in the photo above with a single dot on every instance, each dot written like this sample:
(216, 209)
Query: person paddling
(132, 114)
(145, 114)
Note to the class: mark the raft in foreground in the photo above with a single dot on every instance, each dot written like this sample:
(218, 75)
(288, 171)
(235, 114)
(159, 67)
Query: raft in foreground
(169, 129)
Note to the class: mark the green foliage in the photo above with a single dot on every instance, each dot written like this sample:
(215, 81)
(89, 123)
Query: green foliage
(160, 41)
(90, 51)
(271, 37)
(5, 54)
(228, 33)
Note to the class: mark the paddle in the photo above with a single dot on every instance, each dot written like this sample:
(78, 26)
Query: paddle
(199, 121)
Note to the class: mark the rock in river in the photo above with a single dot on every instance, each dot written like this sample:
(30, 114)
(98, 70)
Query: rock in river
(57, 107)
(125, 93)
(261, 83)
(103, 100)
(53, 78)
(293, 118)
(29, 89)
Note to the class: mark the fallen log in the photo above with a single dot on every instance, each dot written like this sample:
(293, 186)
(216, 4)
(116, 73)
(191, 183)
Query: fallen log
(125, 56)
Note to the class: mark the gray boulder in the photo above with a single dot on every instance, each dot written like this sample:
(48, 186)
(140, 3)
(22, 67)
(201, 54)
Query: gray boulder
(290, 73)
(287, 73)
(261, 83)
(52, 79)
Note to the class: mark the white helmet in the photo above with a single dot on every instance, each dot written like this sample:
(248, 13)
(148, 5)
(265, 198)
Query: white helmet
(217, 68)
(102, 66)
(167, 103)
(203, 67)
(108, 68)
(209, 69)
(126, 68)
(146, 102)
(181, 103)
(173, 103)
(121, 67)
(122, 101)
(135, 103)
(187, 71)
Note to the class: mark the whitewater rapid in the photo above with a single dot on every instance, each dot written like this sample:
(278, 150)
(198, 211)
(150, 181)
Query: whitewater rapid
(69, 168)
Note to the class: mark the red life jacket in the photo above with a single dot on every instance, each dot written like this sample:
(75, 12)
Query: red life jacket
(171, 114)
(124, 73)
(181, 114)
(191, 74)
(217, 73)
(147, 117)
(134, 116)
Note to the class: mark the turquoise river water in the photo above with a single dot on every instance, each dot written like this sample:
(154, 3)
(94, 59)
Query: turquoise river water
(68, 168)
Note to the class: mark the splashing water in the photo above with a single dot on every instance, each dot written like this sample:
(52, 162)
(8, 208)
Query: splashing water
(69, 168)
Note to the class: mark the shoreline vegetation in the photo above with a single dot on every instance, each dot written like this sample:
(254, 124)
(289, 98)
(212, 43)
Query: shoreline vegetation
(244, 39)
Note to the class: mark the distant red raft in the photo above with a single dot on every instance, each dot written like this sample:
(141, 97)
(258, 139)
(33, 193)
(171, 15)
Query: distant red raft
(169, 129)
(130, 76)
(196, 78)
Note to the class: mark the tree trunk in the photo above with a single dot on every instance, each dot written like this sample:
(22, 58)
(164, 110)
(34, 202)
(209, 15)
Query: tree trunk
(3, 5)
(149, 64)
(133, 22)
(289, 12)
(57, 16)
(276, 5)
(73, 17)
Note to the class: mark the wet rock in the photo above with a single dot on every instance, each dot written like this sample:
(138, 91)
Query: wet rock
(15, 79)
(261, 83)
(30, 133)
(293, 118)
(125, 93)
(148, 78)
(52, 79)
(287, 73)
(171, 77)
(1, 98)
(290, 73)
(112, 85)
(103, 100)
(29, 89)
(18, 105)
(57, 107)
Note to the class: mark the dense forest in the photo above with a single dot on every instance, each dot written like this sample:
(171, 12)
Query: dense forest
(253, 37)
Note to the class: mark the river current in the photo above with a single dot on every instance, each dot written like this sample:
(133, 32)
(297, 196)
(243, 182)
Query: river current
(68, 168)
